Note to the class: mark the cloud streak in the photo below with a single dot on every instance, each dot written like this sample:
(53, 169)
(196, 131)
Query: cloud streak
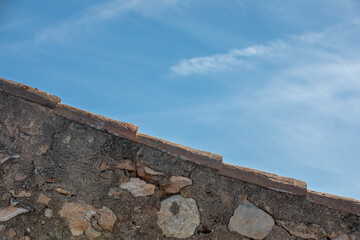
(97, 15)
(218, 62)
(310, 41)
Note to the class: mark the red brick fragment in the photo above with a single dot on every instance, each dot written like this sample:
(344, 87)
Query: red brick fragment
(51, 180)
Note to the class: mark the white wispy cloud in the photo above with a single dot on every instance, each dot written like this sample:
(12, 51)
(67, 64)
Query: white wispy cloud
(218, 62)
(309, 41)
(98, 14)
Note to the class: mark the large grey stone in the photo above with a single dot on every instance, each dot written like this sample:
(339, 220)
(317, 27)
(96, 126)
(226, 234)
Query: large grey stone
(250, 221)
(178, 217)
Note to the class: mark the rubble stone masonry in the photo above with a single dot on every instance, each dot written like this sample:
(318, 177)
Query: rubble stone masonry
(70, 174)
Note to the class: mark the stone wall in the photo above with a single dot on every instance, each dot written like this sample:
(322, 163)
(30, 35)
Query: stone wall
(70, 174)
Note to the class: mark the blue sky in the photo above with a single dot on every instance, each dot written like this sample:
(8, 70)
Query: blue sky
(273, 86)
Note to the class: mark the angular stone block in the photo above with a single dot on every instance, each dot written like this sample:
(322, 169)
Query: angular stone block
(250, 221)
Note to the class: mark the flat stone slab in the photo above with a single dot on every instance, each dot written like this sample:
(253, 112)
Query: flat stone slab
(138, 187)
(250, 221)
(177, 183)
(178, 217)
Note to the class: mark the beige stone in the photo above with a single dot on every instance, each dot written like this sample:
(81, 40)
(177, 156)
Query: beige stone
(10, 212)
(92, 233)
(126, 165)
(152, 172)
(11, 233)
(43, 199)
(62, 191)
(80, 218)
(341, 237)
(302, 230)
(138, 187)
(66, 139)
(178, 217)
(76, 232)
(42, 149)
(114, 192)
(250, 221)
(19, 177)
(147, 173)
(2, 227)
(141, 173)
(107, 218)
(76, 215)
(48, 213)
(90, 214)
(20, 194)
(177, 183)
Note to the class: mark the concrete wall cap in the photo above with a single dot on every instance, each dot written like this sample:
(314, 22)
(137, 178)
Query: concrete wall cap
(264, 179)
(207, 159)
(344, 204)
(29, 93)
(117, 128)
